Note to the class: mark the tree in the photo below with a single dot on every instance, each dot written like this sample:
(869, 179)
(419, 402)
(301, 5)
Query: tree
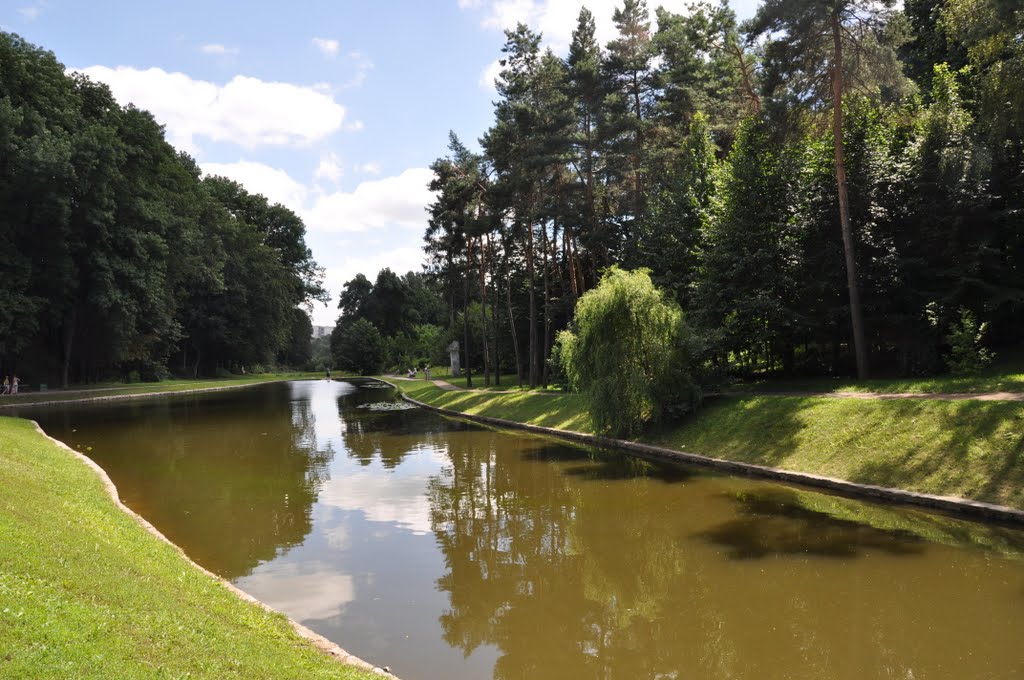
(630, 354)
(358, 346)
(806, 54)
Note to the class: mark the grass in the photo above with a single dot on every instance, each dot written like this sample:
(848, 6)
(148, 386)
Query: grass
(970, 449)
(549, 409)
(117, 389)
(509, 381)
(86, 592)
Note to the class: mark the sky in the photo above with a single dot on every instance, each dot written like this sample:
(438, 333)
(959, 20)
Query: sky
(334, 108)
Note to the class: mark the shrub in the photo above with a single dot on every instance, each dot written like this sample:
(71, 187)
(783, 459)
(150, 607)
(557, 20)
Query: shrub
(966, 353)
(631, 356)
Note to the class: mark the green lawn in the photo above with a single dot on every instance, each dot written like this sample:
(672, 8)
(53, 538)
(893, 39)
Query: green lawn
(86, 592)
(971, 449)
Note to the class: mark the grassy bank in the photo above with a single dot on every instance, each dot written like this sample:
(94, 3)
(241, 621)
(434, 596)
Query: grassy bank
(86, 592)
(970, 449)
(118, 389)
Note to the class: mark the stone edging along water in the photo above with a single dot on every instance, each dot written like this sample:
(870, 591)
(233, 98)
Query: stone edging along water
(958, 506)
(318, 641)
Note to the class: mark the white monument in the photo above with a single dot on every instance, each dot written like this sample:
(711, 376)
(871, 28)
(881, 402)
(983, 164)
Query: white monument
(453, 352)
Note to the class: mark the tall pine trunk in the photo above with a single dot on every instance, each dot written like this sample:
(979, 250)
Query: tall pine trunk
(856, 317)
(483, 310)
(465, 311)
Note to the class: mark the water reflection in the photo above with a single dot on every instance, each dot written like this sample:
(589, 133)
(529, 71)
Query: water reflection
(231, 480)
(446, 550)
(776, 522)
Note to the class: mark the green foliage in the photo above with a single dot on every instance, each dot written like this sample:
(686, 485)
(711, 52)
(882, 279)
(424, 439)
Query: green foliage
(630, 356)
(358, 346)
(967, 355)
(118, 257)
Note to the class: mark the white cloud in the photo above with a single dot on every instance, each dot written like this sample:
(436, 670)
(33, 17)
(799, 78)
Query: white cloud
(392, 201)
(217, 48)
(363, 66)
(32, 12)
(355, 126)
(371, 168)
(556, 19)
(245, 111)
(274, 184)
(327, 47)
(490, 75)
(330, 168)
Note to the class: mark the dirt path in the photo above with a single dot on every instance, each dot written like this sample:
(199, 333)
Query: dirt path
(940, 396)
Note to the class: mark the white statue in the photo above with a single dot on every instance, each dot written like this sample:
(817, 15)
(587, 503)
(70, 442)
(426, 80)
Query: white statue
(453, 352)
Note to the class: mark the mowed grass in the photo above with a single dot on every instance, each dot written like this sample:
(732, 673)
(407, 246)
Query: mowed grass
(86, 592)
(117, 389)
(969, 449)
(549, 409)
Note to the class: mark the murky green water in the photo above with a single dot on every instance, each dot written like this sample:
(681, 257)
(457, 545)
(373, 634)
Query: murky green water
(445, 550)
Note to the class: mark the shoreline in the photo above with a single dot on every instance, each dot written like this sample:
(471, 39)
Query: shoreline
(961, 507)
(325, 646)
(329, 648)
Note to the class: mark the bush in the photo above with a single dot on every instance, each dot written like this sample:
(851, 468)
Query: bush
(631, 356)
(966, 353)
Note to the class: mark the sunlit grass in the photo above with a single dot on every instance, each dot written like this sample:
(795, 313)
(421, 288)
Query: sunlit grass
(85, 592)
(548, 409)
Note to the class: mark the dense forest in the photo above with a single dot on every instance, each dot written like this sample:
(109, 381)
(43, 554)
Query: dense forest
(829, 188)
(120, 261)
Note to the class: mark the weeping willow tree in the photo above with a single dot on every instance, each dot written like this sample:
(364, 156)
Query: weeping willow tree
(630, 354)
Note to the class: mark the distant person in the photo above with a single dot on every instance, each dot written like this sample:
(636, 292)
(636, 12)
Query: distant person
(14, 385)
(7, 385)
(411, 373)
(426, 372)
(328, 373)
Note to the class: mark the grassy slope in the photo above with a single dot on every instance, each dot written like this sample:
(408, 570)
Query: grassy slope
(970, 449)
(86, 592)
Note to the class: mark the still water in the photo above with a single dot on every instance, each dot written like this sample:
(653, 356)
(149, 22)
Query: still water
(446, 550)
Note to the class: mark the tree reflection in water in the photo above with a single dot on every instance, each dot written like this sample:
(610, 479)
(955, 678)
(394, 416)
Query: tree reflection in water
(562, 583)
(230, 477)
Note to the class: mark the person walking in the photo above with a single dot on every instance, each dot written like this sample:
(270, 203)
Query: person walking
(14, 385)
(7, 385)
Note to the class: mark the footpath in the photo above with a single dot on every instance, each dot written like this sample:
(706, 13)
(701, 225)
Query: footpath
(940, 396)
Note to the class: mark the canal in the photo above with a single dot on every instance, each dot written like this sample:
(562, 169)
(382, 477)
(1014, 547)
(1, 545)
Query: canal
(444, 549)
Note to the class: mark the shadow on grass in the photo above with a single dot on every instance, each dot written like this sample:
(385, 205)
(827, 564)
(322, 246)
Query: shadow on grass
(776, 522)
(975, 450)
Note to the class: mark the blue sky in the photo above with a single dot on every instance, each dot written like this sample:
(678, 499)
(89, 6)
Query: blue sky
(335, 109)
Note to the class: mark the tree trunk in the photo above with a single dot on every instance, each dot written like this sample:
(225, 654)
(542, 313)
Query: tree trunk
(856, 318)
(465, 311)
(483, 311)
(532, 345)
(547, 309)
(496, 356)
(512, 323)
(67, 344)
